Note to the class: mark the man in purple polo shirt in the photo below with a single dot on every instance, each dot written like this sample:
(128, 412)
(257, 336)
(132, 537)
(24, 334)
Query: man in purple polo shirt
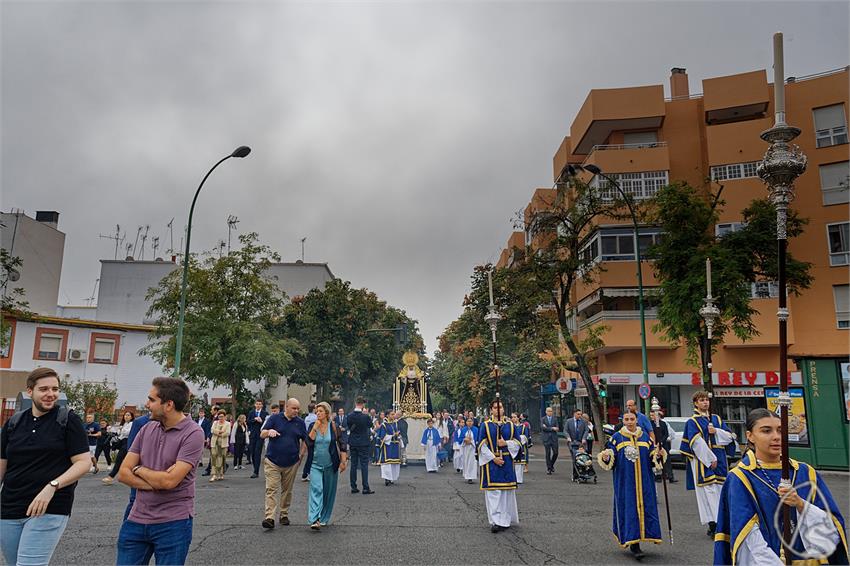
(161, 465)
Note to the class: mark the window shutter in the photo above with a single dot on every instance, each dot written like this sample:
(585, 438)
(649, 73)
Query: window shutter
(829, 117)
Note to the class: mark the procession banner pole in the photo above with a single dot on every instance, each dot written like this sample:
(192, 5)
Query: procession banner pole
(656, 407)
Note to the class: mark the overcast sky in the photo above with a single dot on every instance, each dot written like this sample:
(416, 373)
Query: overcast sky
(397, 137)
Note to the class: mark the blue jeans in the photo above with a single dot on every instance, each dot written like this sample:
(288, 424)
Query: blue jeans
(168, 542)
(32, 540)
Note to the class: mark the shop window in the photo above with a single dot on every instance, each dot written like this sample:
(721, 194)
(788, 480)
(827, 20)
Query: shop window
(724, 228)
(50, 344)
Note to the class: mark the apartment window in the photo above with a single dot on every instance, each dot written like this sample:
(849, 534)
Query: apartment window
(637, 185)
(640, 138)
(618, 244)
(834, 181)
(103, 348)
(839, 243)
(841, 294)
(764, 290)
(50, 344)
(721, 230)
(618, 247)
(648, 238)
(830, 125)
(732, 171)
(590, 252)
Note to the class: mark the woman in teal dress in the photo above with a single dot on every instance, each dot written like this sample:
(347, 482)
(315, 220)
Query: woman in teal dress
(325, 459)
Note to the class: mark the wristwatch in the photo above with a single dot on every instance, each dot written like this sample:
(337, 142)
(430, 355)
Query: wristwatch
(136, 469)
(54, 483)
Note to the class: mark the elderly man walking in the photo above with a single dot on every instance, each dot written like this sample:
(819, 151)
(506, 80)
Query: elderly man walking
(287, 436)
(576, 430)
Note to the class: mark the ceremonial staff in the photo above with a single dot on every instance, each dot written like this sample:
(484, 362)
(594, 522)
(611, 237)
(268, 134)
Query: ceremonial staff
(710, 313)
(492, 319)
(655, 408)
(781, 165)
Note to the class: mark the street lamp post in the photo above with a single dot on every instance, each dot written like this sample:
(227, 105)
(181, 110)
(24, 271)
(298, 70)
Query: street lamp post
(628, 200)
(710, 313)
(240, 151)
(781, 165)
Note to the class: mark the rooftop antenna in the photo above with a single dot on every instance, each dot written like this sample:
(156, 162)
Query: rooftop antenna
(232, 221)
(221, 245)
(117, 237)
(144, 239)
(129, 250)
(155, 245)
(91, 299)
(304, 239)
(135, 245)
(170, 226)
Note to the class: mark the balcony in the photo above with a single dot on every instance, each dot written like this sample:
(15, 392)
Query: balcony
(735, 97)
(630, 158)
(736, 142)
(608, 110)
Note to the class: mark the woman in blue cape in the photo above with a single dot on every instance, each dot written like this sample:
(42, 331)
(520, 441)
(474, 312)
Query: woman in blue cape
(749, 506)
(629, 452)
(389, 456)
(431, 441)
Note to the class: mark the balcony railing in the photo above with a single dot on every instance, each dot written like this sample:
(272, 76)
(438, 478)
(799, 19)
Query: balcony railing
(621, 146)
(618, 315)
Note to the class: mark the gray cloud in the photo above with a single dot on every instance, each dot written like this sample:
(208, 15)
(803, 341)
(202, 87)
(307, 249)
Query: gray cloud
(397, 137)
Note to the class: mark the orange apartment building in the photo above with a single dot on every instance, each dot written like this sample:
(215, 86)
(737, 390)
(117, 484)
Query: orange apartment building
(645, 140)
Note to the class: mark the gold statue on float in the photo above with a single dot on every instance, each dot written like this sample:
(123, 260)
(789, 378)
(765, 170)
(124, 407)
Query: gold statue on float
(410, 392)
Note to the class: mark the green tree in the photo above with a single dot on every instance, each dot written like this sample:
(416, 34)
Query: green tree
(348, 349)
(231, 308)
(14, 303)
(738, 259)
(96, 397)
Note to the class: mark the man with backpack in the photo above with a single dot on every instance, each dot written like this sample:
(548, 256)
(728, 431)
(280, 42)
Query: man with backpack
(43, 452)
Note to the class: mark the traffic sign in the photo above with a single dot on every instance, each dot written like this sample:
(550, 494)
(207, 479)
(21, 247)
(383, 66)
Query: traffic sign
(644, 391)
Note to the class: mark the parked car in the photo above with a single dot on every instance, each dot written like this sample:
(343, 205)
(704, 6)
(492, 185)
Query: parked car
(677, 427)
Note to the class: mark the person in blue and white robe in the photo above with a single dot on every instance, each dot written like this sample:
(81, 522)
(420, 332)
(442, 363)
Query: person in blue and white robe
(389, 455)
(706, 443)
(630, 452)
(431, 441)
(521, 460)
(498, 444)
(457, 445)
(469, 442)
(749, 520)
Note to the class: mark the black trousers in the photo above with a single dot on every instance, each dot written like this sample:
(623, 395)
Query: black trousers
(359, 458)
(106, 453)
(122, 452)
(238, 451)
(551, 456)
(256, 450)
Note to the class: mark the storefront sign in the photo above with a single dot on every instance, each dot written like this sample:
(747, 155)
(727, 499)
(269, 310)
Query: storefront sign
(580, 392)
(798, 428)
(739, 392)
(721, 379)
(620, 379)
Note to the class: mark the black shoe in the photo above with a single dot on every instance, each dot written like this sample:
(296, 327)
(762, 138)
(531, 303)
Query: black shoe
(636, 551)
(468, 481)
(355, 490)
(368, 492)
(205, 473)
(673, 481)
(268, 523)
(387, 483)
(252, 475)
(284, 521)
(495, 529)
(712, 528)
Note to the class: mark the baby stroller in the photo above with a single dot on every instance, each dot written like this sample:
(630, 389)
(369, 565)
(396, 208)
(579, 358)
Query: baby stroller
(583, 470)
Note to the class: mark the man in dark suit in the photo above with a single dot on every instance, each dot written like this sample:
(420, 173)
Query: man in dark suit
(662, 438)
(255, 424)
(549, 434)
(341, 422)
(359, 444)
(576, 429)
(206, 426)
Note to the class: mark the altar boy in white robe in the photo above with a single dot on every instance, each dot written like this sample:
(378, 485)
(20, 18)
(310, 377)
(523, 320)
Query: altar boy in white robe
(390, 451)
(469, 440)
(498, 444)
(432, 441)
(521, 458)
(457, 445)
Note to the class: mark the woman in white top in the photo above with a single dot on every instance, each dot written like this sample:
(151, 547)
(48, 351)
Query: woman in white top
(123, 432)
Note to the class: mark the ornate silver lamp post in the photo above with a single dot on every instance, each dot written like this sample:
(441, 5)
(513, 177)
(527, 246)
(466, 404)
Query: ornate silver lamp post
(492, 319)
(781, 165)
(709, 313)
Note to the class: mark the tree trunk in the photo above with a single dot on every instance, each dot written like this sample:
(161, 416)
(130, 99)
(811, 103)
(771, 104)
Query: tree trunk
(234, 389)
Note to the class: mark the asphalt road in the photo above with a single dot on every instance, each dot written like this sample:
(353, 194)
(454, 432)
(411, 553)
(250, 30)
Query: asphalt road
(425, 519)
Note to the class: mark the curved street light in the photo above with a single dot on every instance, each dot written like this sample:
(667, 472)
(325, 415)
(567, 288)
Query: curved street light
(572, 170)
(241, 151)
